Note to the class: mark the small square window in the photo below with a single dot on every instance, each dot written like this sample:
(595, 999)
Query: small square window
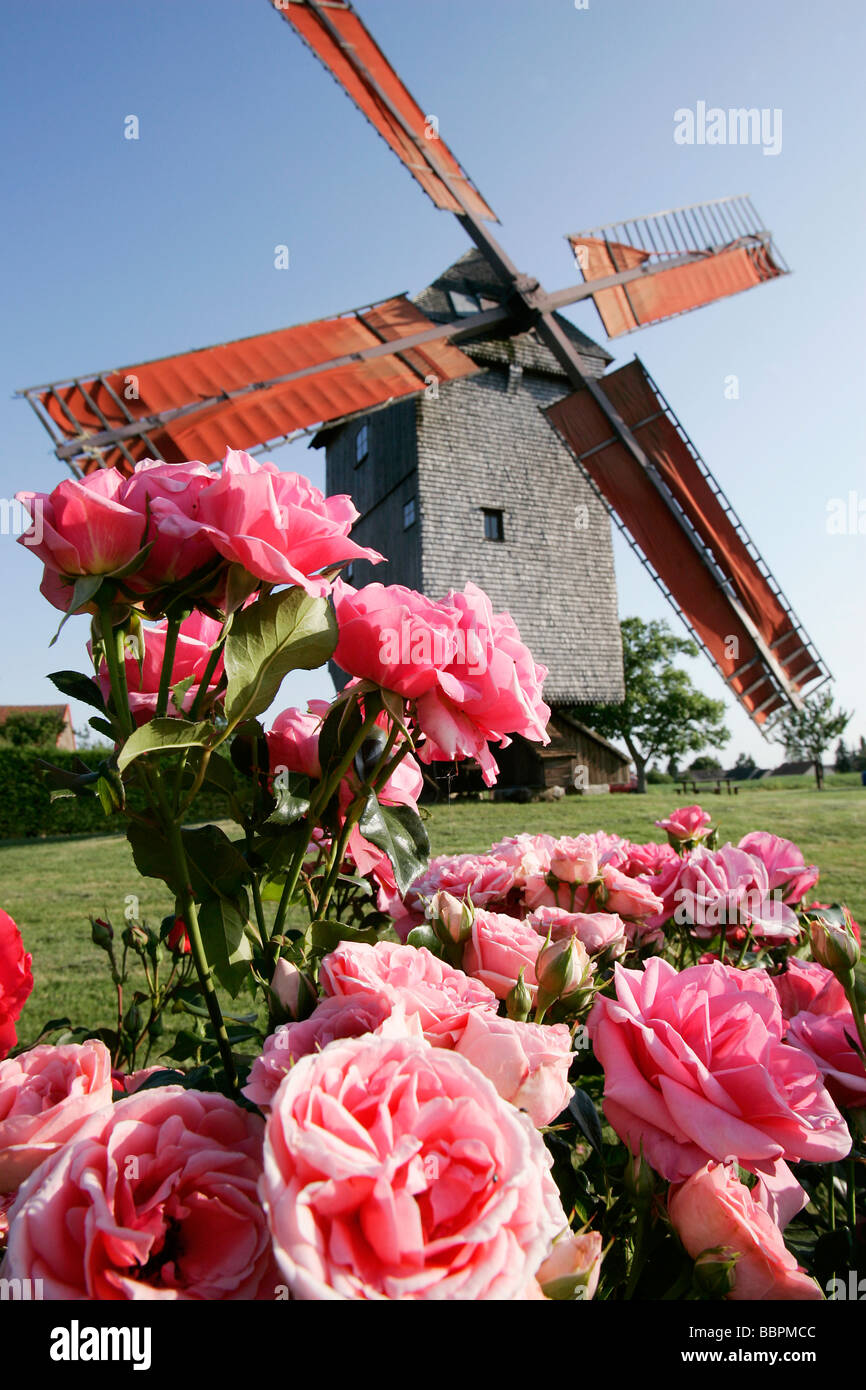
(464, 304)
(408, 513)
(494, 525)
(362, 445)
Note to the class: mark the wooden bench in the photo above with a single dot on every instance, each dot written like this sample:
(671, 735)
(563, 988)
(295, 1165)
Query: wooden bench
(697, 784)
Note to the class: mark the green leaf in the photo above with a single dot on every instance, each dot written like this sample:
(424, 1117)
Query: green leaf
(326, 934)
(287, 631)
(217, 868)
(163, 736)
(220, 774)
(179, 692)
(292, 794)
(585, 1116)
(78, 687)
(102, 726)
(342, 724)
(152, 855)
(225, 941)
(107, 793)
(399, 831)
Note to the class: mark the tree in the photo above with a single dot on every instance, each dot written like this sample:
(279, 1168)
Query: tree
(746, 761)
(705, 763)
(31, 728)
(808, 732)
(663, 715)
(843, 757)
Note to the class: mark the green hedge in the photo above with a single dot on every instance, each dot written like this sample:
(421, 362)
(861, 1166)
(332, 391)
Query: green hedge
(26, 809)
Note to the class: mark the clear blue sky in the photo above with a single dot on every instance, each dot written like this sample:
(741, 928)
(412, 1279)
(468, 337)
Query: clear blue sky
(116, 250)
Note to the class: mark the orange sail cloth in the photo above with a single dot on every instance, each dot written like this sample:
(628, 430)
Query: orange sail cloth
(666, 293)
(712, 598)
(338, 37)
(204, 380)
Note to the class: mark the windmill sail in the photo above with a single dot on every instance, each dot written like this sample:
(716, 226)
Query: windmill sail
(680, 523)
(252, 392)
(338, 38)
(680, 260)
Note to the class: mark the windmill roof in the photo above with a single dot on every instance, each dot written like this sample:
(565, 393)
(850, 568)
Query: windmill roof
(472, 275)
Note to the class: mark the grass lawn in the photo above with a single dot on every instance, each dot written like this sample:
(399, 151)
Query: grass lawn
(51, 887)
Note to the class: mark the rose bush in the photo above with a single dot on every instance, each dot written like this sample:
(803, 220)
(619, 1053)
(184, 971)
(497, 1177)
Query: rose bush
(383, 1074)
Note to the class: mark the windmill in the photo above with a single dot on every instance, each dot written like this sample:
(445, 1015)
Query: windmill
(382, 366)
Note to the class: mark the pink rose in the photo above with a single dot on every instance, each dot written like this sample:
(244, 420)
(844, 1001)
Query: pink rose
(166, 496)
(630, 897)
(392, 636)
(648, 860)
(197, 636)
(714, 1209)
(527, 856)
(277, 525)
(498, 949)
(820, 1023)
(345, 1016)
(472, 679)
(393, 1170)
(440, 997)
(16, 981)
(490, 688)
(695, 1069)
(728, 888)
(689, 823)
(598, 931)
(153, 1199)
(45, 1096)
(574, 859)
(85, 529)
(293, 740)
(483, 877)
(784, 862)
(800, 984)
(527, 1062)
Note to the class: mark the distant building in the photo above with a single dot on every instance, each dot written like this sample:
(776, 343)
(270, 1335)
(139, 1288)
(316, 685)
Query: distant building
(575, 757)
(66, 737)
(796, 769)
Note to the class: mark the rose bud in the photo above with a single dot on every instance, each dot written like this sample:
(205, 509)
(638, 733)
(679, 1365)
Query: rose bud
(135, 937)
(292, 990)
(562, 970)
(518, 1001)
(570, 1272)
(101, 933)
(639, 1180)
(834, 946)
(178, 938)
(714, 1271)
(452, 919)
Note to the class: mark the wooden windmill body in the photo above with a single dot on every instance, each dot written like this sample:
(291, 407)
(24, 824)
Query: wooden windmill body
(480, 433)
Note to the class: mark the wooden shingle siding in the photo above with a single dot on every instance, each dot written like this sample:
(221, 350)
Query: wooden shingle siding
(481, 447)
